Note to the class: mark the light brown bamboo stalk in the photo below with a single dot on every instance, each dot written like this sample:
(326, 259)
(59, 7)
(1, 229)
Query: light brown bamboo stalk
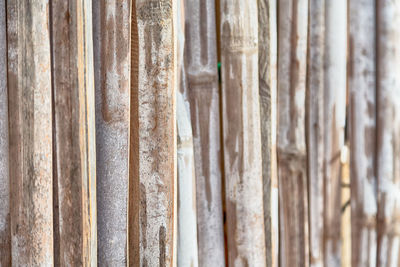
(30, 129)
(203, 93)
(242, 133)
(267, 61)
(5, 236)
(154, 166)
(112, 20)
(361, 77)
(291, 145)
(74, 136)
(388, 132)
(316, 130)
(334, 108)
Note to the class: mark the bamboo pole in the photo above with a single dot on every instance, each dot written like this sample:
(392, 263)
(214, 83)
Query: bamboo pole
(267, 60)
(112, 20)
(153, 242)
(361, 77)
(74, 136)
(242, 133)
(291, 145)
(203, 93)
(5, 236)
(30, 128)
(388, 132)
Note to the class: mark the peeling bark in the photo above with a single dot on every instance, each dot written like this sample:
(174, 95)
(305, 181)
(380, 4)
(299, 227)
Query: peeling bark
(291, 145)
(361, 77)
(112, 24)
(30, 128)
(242, 133)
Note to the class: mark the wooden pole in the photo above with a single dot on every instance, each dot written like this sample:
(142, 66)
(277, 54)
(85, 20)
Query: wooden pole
(388, 132)
(267, 61)
(30, 128)
(361, 77)
(203, 92)
(74, 135)
(242, 133)
(112, 20)
(154, 166)
(291, 143)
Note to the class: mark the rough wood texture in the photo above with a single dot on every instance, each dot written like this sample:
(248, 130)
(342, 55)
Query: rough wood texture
(112, 20)
(242, 133)
(156, 159)
(30, 126)
(203, 92)
(361, 78)
(267, 61)
(291, 145)
(334, 105)
(74, 137)
(388, 132)
(5, 235)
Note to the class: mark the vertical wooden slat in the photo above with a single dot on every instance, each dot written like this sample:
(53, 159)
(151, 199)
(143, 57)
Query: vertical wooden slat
(242, 133)
(334, 106)
(267, 58)
(112, 22)
(156, 159)
(5, 236)
(291, 145)
(202, 82)
(388, 132)
(30, 126)
(74, 136)
(361, 78)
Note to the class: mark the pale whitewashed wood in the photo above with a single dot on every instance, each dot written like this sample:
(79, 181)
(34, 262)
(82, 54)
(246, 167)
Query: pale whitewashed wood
(30, 128)
(242, 133)
(291, 145)
(361, 78)
(203, 94)
(74, 163)
(388, 132)
(112, 20)
(5, 235)
(267, 61)
(152, 242)
(334, 105)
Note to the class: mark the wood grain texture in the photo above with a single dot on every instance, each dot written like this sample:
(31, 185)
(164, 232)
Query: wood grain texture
(362, 106)
(267, 61)
(112, 25)
(200, 59)
(74, 136)
(388, 132)
(30, 128)
(242, 133)
(155, 178)
(291, 144)
(5, 234)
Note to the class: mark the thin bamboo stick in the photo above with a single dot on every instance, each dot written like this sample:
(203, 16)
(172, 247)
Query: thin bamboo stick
(30, 128)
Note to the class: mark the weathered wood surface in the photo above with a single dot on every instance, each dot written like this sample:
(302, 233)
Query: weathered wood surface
(5, 235)
(203, 93)
(388, 132)
(112, 20)
(291, 145)
(30, 129)
(74, 166)
(334, 105)
(267, 61)
(361, 78)
(242, 133)
(154, 166)
(316, 130)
